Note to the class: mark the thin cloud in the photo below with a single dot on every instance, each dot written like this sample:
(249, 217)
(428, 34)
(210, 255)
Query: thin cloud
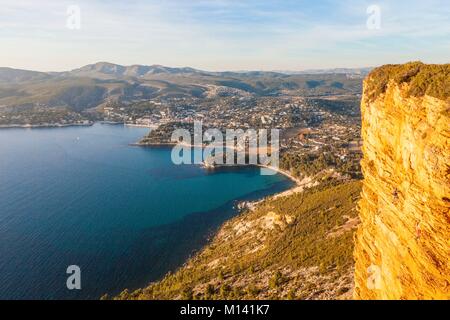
(218, 34)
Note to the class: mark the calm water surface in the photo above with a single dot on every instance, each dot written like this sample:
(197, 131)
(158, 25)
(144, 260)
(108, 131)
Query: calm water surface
(126, 215)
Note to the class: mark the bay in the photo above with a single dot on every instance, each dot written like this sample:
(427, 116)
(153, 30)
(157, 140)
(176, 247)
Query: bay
(125, 215)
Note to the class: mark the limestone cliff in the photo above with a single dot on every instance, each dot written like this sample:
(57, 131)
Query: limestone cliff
(402, 248)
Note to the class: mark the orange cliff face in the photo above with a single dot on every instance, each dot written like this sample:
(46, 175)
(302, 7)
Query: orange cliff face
(402, 246)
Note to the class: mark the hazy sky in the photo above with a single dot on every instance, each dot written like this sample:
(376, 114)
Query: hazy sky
(223, 34)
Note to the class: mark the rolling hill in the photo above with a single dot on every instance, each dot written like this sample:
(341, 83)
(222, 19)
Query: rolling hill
(94, 85)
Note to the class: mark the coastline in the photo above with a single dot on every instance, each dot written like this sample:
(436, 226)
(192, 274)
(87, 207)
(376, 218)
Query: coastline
(246, 204)
(299, 185)
(153, 127)
(206, 225)
(223, 214)
(64, 125)
(45, 125)
(154, 144)
(152, 240)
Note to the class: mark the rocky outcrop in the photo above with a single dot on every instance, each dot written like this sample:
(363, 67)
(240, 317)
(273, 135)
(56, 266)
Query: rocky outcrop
(402, 248)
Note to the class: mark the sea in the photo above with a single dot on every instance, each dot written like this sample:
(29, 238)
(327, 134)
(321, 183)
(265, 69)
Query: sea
(124, 215)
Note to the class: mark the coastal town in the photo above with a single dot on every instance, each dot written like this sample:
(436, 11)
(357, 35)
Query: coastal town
(218, 158)
(35, 116)
(315, 133)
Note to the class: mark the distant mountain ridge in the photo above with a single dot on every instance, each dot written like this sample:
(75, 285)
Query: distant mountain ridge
(137, 70)
(355, 71)
(96, 70)
(18, 75)
(94, 85)
(129, 71)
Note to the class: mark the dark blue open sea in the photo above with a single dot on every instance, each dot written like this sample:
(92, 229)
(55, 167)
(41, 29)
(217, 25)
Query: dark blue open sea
(126, 215)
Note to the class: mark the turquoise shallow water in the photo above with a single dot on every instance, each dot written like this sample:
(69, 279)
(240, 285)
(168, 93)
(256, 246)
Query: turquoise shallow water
(126, 215)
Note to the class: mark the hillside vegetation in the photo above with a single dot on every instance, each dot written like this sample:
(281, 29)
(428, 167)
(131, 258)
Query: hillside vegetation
(423, 79)
(103, 83)
(293, 247)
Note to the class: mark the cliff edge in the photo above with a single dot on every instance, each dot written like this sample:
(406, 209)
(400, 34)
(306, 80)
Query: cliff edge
(402, 246)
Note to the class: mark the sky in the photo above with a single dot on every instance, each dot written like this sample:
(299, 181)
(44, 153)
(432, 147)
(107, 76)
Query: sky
(219, 35)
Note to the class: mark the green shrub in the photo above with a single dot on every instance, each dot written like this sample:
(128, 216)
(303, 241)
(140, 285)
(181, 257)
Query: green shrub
(187, 293)
(423, 79)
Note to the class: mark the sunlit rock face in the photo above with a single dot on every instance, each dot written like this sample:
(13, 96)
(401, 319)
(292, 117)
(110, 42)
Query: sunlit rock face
(403, 242)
